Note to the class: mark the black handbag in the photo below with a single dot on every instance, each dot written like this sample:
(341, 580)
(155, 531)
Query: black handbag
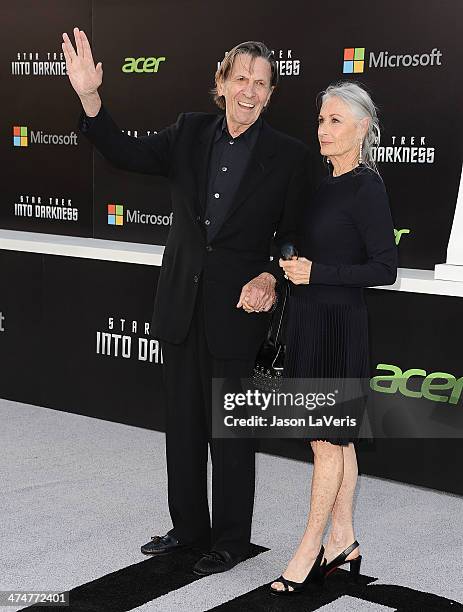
(268, 369)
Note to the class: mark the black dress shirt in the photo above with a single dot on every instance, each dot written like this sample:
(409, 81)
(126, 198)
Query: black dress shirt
(227, 165)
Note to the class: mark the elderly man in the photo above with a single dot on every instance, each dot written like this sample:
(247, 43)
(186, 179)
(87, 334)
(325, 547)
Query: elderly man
(236, 186)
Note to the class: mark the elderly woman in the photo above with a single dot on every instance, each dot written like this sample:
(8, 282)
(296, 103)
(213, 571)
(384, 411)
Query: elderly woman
(347, 243)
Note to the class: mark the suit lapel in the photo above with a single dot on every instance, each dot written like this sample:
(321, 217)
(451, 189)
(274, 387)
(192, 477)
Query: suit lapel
(201, 160)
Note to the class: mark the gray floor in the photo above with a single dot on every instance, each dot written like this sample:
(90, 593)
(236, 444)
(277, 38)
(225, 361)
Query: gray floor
(79, 496)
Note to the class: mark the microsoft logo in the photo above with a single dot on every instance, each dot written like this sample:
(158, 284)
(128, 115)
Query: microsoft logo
(115, 214)
(354, 60)
(20, 136)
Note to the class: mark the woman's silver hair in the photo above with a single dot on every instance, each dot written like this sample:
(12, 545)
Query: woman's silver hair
(361, 105)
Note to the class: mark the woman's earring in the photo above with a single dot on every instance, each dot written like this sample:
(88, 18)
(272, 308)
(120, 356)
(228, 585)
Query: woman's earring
(360, 153)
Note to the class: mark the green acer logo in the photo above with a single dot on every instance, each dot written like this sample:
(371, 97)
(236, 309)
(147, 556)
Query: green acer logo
(397, 381)
(398, 234)
(142, 64)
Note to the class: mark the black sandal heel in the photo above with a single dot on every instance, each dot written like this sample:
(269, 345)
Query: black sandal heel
(316, 576)
(354, 570)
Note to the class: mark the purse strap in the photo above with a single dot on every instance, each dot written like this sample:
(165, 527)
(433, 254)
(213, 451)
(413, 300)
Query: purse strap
(280, 321)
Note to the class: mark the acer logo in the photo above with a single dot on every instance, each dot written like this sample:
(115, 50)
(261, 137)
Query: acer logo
(432, 385)
(398, 234)
(142, 64)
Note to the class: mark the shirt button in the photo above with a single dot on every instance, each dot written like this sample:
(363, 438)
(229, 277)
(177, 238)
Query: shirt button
(208, 248)
(224, 168)
(195, 278)
(231, 142)
(216, 195)
(207, 222)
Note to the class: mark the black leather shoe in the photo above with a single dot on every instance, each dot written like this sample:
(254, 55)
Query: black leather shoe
(214, 562)
(161, 545)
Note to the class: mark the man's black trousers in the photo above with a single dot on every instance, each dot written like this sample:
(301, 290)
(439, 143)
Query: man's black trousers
(187, 371)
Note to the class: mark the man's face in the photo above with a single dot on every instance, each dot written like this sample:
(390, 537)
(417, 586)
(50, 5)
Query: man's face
(246, 90)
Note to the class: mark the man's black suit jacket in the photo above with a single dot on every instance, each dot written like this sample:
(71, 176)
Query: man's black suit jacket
(265, 212)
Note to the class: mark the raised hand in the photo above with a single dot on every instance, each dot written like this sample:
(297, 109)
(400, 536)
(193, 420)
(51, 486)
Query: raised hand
(85, 77)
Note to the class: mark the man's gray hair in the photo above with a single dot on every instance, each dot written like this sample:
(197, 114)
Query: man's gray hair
(253, 48)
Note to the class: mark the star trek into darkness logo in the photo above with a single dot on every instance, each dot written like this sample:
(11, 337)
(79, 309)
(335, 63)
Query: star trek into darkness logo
(39, 63)
(45, 207)
(127, 339)
(289, 64)
(405, 150)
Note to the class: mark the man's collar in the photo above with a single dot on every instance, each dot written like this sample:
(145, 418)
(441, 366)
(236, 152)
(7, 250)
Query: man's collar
(223, 129)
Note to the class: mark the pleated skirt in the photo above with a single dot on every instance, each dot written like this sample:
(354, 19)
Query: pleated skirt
(327, 338)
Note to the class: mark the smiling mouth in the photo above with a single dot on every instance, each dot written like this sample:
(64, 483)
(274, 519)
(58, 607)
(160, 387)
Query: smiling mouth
(246, 105)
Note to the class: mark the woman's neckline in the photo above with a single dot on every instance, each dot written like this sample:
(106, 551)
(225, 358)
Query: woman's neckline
(353, 172)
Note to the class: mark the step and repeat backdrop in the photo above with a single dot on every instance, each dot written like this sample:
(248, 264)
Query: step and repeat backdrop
(74, 333)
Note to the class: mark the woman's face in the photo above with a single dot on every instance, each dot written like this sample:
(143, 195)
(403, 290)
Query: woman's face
(339, 132)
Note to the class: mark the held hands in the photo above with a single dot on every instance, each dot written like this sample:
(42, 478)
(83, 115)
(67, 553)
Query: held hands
(84, 76)
(297, 270)
(259, 294)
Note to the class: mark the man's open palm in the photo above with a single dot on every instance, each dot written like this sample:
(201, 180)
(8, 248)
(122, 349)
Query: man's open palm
(85, 77)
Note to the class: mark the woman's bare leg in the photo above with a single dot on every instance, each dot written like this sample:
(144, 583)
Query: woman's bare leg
(327, 477)
(341, 533)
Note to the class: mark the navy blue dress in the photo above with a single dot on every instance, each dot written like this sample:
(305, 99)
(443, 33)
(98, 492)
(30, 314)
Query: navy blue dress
(348, 234)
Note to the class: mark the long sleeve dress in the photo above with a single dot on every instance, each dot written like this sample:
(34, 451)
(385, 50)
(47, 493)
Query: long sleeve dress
(348, 234)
